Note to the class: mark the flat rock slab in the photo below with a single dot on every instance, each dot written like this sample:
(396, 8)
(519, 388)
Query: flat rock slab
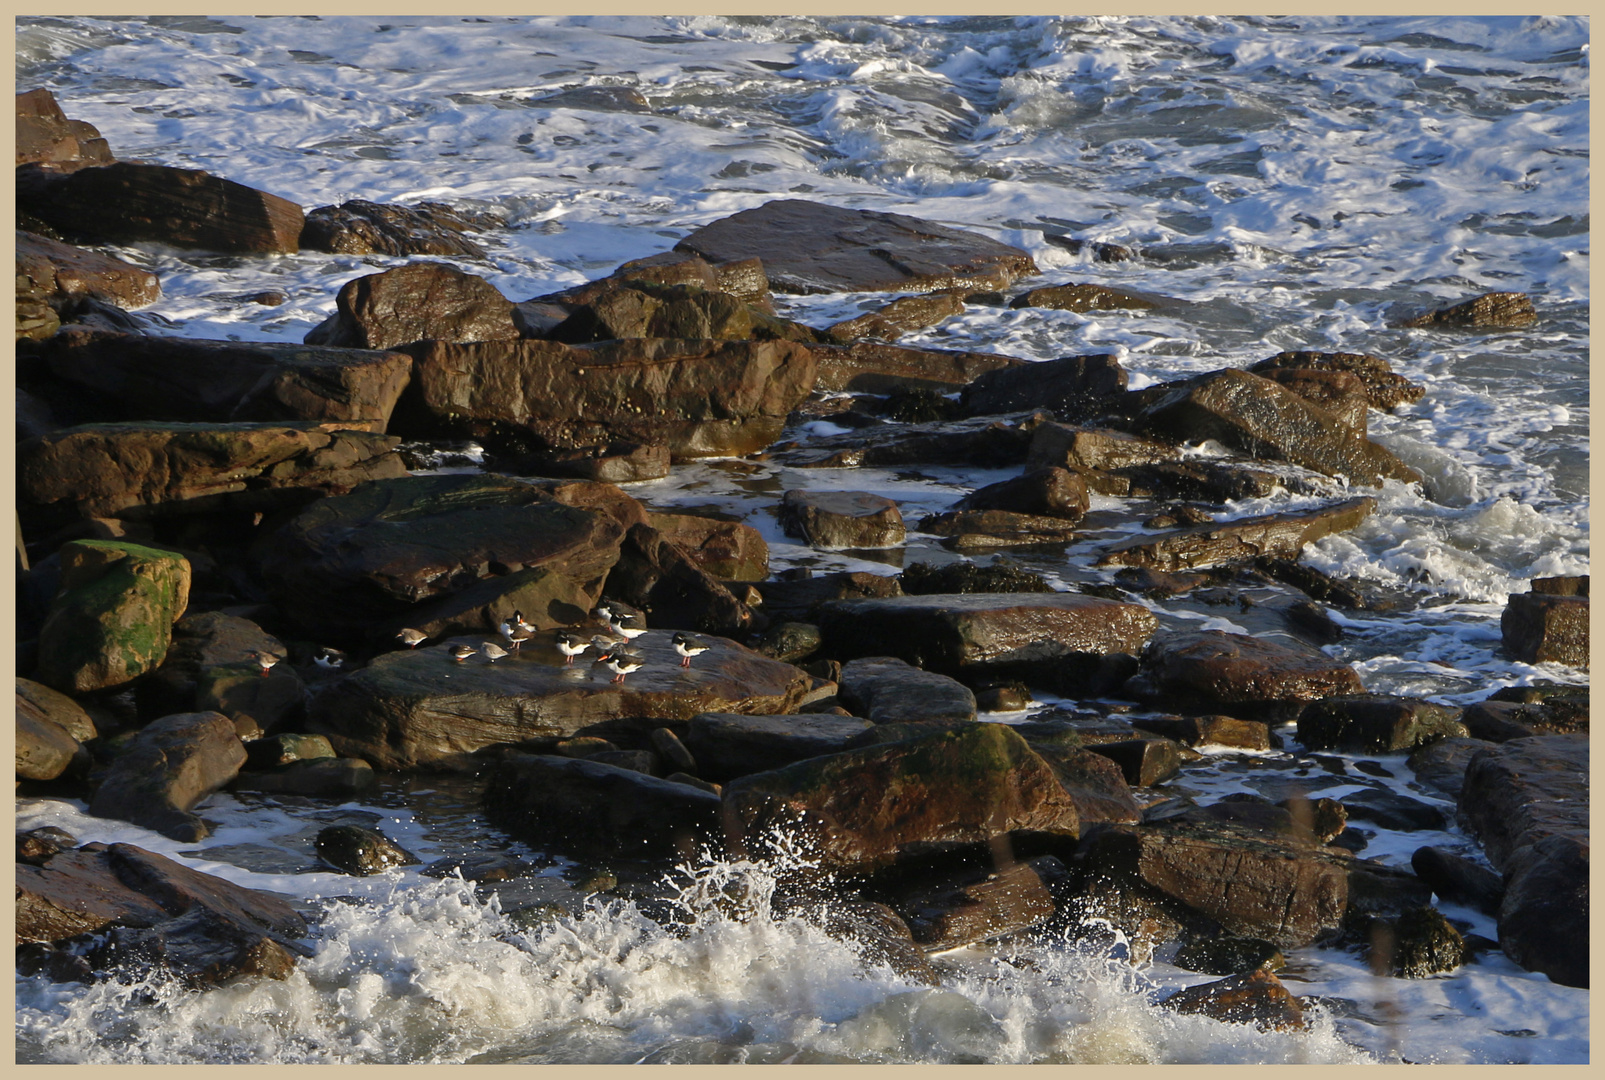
(889, 691)
(1209, 671)
(695, 397)
(1542, 628)
(1070, 447)
(868, 808)
(418, 707)
(61, 274)
(1376, 723)
(1267, 535)
(953, 632)
(983, 530)
(195, 380)
(874, 367)
(808, 247)
(841, 519)
(728, 745)
(1522, 791)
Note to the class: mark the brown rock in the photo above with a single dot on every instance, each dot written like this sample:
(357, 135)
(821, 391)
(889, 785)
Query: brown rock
(44, 749)
(1495, 309)
(1052, 491)
(972, 906)
(903, 316)
(1273, 535)
(1560, 586)
(880, 936)
(62, 275)
(1143, 762)
(167, 769)
(1522, 791)
(797, 598)
(984, 530)
(1212, 731)
(40, 702)
(202, 381)
(810, 247)
(1543, 918)
(874, 367)
(1257, 998)
(613, 463)
(696, 397)
(1539, 628)
(1068, 447)
(729, 550)
(359, 227)
(673, 592)
(1208, 671)
(1340, 393)
(187, 208)
(44, 134)
(1384, 388)
(1501, 721)
(1442, 764)
(422, 301)
(841, 519)
(210, 666)
(1068, 386)
(1376, 723)
(1089, 297)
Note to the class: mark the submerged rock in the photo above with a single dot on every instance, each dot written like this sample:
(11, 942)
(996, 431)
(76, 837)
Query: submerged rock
(1495, 309)
(353, 849)
(1257, 998)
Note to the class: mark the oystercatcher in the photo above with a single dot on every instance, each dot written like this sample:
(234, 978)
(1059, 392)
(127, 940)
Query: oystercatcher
(329, 659)
(514, 631)
(571, 645)
(630, 624)
(621, 663)
(688, 645)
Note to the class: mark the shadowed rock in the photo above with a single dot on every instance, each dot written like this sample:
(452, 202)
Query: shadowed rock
(167, 769)
(1089, 297)
(728, 745)
(889, 691)
(873, 367)
(1068, 386)
(1376, 723)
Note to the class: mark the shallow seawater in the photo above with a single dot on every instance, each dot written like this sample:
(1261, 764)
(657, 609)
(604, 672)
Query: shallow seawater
(1302, 182)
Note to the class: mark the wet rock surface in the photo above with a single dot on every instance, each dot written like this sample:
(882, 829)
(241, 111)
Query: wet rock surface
(1215, 671)
(360, 227)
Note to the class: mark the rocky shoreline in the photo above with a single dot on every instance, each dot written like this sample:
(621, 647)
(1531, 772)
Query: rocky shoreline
(223, 545)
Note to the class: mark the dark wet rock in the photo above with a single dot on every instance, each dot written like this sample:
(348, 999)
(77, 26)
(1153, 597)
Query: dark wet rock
(1540, 628)
(1212, 481)
(1053, 492)
(868, 808)
(728, 745)
(800, 597)
(134, 470)
(1384, 388)
(889, 691)
(283, 749)
(641, 761)
(1318, 585)
(1416, 944)
(672, 591)
(126, 202)
(198, 927)
(1211, 671)
(1257, 998)
(1230, 956)
(1495, 309)
(1341, 393)
(1543, 919)
(1458, 880)
(1376, 723)
(1524, 790)
(419, 707)
(918, 405)
(210, 666)
(1070, 386)
(1501, 721)
(696, 782)
(166, 770)
(1392, 811)
(352, 849)
(603, 498)
(583, 746)
(586, 806)
(416, 302)
(1080, 449)
(480, 866)
(202, 381)
(39, 702)
(1003, 697)
(1264, 419)
(44, 750)
(1144, 918)
(359, 227)
(729, 550)
(875, 367)
(841, 519)
(1089, 297)
(546, 596)
(327, 777)
(1323, 818)
(991, 444)
(921, 579)
(62, 275)
(988, 530)
(979, 905)
(612, 463)
(667, 745)
(1575, 585)
(1253, 885)
(643, 310)
(695, 397)
(1442, 763)
(810, 247)
(1096, 783)
(1376, 888)
(902, 316)
(983, 633)
(743, 279)
(1212, 731)
(113, 618)
(1143, 762)
(1246, 812)
(348, 566)
(880, 936)
(1276, 535)
(45, 134)
(790, 641)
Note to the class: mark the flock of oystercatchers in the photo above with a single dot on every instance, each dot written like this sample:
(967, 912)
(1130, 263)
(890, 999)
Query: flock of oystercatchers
(623, 624)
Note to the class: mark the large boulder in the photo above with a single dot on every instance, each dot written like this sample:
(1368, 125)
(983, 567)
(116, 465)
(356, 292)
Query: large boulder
(889, 691)
(1384, 388)
(1543, 917)
(210, 666)
(729, 550)
(197, 380)
(1376, 723)
(126, 202)
(956, 633)
(869, 808)
(875, 367)
(696, 397)
(417, 302)
(671, 589)
(1281, 535)
(1208, 671)
(728, 745)
(359, 227)
(1539, 628)
(40, 702)
(133, 470)
(1264, 419)
(1341, 393)
(643, 310)
(113, 619)
(350, 566)
(841, 519)
(419, 707)
(44, 134)
(44, 750)
(167, 769)
(589, 807)
(808, 247)
(62, 275)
